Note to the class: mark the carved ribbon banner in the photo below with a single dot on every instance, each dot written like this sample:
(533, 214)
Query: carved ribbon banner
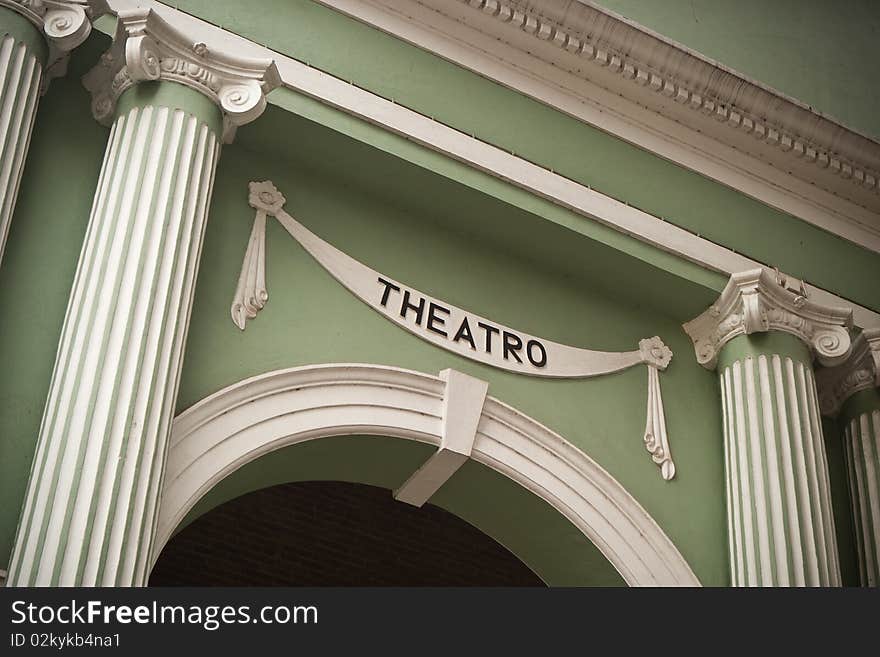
(446, 325)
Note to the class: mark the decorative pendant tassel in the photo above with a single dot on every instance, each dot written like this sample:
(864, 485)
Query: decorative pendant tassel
(251, 294)
(656, 440)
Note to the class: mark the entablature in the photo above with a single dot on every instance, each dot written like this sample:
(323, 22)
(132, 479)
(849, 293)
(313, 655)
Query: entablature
(659, 95)
(299, 80)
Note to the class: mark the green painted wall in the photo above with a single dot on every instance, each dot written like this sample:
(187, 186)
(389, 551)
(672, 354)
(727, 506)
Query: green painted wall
(310, 318)
(380, 209)
(442, 228)
(787, 44)
(425, 83)
(45, 237)
(570, 245)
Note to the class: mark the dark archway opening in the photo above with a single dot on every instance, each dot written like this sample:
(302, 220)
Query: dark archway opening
(330, 533)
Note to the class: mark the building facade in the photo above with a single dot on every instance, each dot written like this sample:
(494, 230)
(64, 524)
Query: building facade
(601, 281)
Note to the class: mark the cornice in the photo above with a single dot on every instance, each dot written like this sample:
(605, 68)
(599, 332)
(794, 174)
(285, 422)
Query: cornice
(700, 87)
(147, 48)
(593, 86)
(861, 371)
(458, 146)
(760, 300)
(65, 24)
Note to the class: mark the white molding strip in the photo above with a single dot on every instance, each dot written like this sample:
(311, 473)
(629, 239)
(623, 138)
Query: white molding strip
(270, 411)
(484, 157)
(463, 399)
(647, 110)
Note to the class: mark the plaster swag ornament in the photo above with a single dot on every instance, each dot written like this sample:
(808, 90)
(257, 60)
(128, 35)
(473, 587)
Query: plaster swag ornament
(445, 325)
(64, 23)
(251, 294)
(656, 440)
(756, 301)
(146, 48)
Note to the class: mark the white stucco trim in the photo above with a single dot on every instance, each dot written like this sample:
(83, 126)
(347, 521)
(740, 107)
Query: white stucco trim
(270, 411)
(657, 114)
(484, 157)
(767, 164)
(463, 399)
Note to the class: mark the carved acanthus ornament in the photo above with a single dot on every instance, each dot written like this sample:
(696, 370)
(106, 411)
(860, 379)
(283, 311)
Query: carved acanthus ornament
(760, 300)
(64, 23)
(147, 48)
(861, 371)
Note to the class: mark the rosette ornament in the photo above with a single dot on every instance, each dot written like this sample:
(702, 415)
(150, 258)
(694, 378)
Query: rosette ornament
(265, 197)
(655, 353)
(147, 48)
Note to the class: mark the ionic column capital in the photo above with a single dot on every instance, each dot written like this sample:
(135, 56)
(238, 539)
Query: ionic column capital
(761, 300)
(65, 24)
(147, 48)
(860, 371)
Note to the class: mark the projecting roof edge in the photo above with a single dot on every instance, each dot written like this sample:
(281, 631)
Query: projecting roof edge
(641, 87)
(482, 156)
(639, 56)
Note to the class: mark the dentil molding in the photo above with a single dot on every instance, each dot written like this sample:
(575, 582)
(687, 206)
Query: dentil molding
(760, 300)
(475, 153)
(861, 371)
(625, 80)
(698, 86)
(147, 48)
(64, 23)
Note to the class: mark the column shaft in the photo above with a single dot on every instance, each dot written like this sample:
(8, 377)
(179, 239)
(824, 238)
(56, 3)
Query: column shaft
(90, 511)
(862, 445)
(20, 76)
(780, 522)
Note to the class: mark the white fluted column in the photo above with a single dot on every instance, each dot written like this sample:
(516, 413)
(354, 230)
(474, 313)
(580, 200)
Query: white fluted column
(91, 504)
(762, 336)
(21, 72)
(851, 391)
(35, 38)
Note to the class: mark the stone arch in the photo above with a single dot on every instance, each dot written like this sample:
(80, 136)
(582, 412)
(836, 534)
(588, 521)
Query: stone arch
(270, 411)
